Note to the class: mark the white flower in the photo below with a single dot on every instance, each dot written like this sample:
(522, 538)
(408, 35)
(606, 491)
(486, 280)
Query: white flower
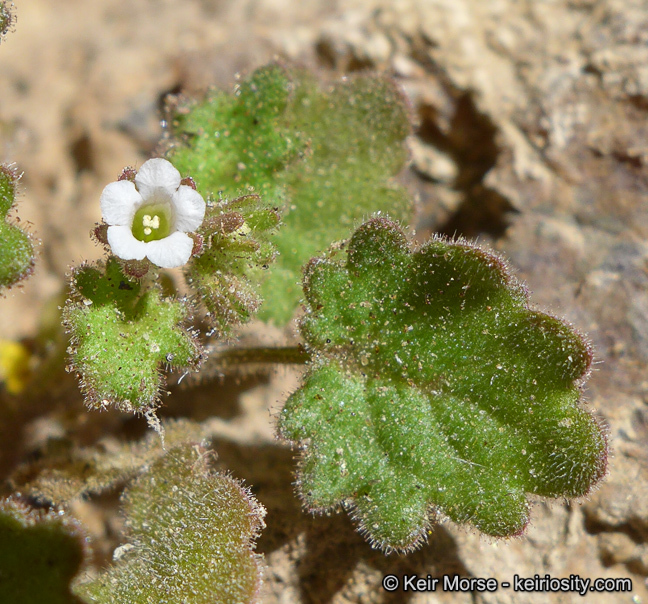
(151, 217)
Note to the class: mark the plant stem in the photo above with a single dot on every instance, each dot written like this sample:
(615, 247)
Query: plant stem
(289, 355)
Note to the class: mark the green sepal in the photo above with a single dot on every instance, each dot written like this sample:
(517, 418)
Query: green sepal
(436, 390)
(122, 334)
(324, 155)
(191, 536)
(40, 555)
(16, 249)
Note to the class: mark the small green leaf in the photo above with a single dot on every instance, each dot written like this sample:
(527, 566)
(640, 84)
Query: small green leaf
(8, 179)
(122, 333)
(16, 250)
(436, 390)
(191, 538)
(40, 554)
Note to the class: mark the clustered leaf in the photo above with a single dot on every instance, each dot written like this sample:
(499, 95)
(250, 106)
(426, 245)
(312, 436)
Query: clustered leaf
(323, 155)
(40, 554)
(122, 333)
(436, 390)
(17, 250)
(191, 538)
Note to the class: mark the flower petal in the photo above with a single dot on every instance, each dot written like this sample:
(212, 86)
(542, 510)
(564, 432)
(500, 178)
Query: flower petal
(119, 201)
(124, 245)
(156, 174)
(170, 252)
(189, 209)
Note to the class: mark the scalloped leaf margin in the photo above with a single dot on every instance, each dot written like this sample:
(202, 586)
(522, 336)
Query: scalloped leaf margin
(436, 391)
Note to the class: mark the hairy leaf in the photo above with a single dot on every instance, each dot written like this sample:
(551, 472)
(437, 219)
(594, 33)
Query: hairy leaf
(436, 390)
(16, 250)
(122, 333)
(324, 155)
(40, 554)
(191, 536)
(65, 472)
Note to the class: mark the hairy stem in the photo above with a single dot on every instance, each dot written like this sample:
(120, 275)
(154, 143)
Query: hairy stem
(288, 355)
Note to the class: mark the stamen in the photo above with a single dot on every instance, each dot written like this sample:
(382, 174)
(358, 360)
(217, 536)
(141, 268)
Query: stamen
(150, 223)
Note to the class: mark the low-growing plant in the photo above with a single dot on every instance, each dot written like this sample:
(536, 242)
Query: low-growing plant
(433, 388)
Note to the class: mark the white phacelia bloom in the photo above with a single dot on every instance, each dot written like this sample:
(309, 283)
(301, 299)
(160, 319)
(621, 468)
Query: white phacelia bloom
(152, 216)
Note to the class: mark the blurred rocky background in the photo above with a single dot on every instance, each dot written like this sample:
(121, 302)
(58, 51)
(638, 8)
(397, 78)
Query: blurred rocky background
(531, 135)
